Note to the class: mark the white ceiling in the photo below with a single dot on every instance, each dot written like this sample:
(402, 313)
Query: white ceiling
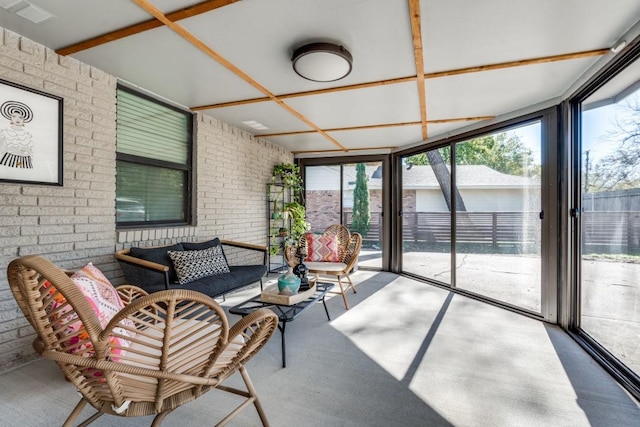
(257, 38)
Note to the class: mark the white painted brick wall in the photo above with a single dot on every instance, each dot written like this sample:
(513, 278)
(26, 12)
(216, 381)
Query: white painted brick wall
(75, 224)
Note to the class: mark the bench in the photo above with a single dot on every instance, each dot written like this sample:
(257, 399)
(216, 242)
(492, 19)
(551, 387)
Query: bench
(152, 268)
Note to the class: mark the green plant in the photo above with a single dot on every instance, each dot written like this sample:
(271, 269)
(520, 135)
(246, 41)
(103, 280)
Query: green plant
(274, 250)
(298, 215)
(289, 173)
(361, 221)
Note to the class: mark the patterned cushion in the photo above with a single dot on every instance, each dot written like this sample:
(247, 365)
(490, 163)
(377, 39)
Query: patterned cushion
(322, 248)
(197, 246)
(194, 265)
(105, 302)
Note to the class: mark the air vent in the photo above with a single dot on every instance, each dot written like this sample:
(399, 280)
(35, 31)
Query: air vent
(26, 10)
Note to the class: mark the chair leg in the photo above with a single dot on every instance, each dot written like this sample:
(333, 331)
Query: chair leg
(252, 392)
(76, 411)
(159, 418)
(351, 284)
(74, 414)
(344, 294)
(250, 397)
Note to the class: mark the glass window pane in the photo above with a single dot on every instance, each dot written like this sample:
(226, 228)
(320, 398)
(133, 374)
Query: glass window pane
(610, 220)
(149, 193)
(362, 205)
(426, 219)
(498, 227)
(322, 196)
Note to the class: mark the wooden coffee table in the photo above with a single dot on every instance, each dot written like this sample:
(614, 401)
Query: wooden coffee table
(286, 313)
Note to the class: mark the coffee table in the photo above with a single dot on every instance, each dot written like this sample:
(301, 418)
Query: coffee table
(286, 313)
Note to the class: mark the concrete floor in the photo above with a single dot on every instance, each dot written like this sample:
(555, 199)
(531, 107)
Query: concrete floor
(610, 290)
(406, 354)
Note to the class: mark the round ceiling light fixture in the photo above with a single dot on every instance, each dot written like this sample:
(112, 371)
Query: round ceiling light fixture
(322, 62)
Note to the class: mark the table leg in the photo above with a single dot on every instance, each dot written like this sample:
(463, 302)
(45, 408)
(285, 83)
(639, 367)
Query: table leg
(284, 351)
(325, 309)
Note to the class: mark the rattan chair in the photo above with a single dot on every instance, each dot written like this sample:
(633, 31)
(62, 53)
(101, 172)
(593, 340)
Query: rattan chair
(349, 245)
(180, 344)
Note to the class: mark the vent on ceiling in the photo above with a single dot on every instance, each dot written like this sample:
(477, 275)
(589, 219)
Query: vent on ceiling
(255, 125)
(26, 10)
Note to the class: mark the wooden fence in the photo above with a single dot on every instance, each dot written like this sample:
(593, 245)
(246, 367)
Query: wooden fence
(603, 232)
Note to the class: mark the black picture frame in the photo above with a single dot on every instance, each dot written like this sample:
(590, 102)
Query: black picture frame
(31, 121)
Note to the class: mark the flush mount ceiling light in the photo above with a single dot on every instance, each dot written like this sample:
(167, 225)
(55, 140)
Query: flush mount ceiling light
(322, 62)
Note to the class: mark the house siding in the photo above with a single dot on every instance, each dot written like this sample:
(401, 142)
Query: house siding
(75, 224)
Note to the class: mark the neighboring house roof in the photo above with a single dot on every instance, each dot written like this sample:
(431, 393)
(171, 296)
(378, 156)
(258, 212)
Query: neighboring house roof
(422, 177)
(467, 176)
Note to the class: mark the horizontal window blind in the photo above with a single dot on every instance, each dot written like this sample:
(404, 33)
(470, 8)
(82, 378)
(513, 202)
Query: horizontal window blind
(149, 129)
(158, 192)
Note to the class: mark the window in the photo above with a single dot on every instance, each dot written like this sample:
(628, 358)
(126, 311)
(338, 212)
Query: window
(332, 190)
(153, 161)
(607, 185)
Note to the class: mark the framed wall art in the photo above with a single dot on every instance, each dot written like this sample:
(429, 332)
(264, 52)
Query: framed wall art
(30, 135)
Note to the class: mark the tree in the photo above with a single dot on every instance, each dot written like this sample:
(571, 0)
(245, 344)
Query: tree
(620, 170)
(502, 152)
(444, 179)
(361, 215)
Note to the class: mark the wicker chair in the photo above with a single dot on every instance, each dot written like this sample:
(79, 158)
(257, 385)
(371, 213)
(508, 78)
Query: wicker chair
(180, 344)
(349, 245)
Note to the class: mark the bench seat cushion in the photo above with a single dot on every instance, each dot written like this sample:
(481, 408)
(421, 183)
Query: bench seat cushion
(238, 277)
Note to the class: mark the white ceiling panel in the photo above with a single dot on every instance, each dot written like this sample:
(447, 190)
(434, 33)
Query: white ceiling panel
(379, 138)
(74, 21)
(160, 61)
(304, 142)
(500, 91)
(461, 33)
(260, 36)
(443, 130)
(396, 103)
(270, 114)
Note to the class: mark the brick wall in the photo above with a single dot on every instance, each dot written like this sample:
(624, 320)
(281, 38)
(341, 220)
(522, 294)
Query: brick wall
(74, 224)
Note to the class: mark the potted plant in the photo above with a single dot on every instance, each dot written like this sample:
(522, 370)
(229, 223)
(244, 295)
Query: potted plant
(289, 175)
(298, 214)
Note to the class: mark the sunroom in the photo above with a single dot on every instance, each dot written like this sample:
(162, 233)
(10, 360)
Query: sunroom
(500, 147)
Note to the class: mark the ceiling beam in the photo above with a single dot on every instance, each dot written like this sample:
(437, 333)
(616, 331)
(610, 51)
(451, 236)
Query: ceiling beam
(310, 92)
(433, 75)
(187, 12)
(387, 149)
(416, 34)
(378, 126)
(181, 31)
(518, 63)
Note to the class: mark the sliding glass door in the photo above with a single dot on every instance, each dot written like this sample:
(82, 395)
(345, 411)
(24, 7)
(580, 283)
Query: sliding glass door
(426, 217)
(609, 193)
(351, 194)
(498, 217)
(472, 215)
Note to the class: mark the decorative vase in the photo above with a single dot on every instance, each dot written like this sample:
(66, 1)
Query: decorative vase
(288, 283)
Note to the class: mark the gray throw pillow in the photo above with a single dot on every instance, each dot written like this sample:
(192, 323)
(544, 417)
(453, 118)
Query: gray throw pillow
(194, 265)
